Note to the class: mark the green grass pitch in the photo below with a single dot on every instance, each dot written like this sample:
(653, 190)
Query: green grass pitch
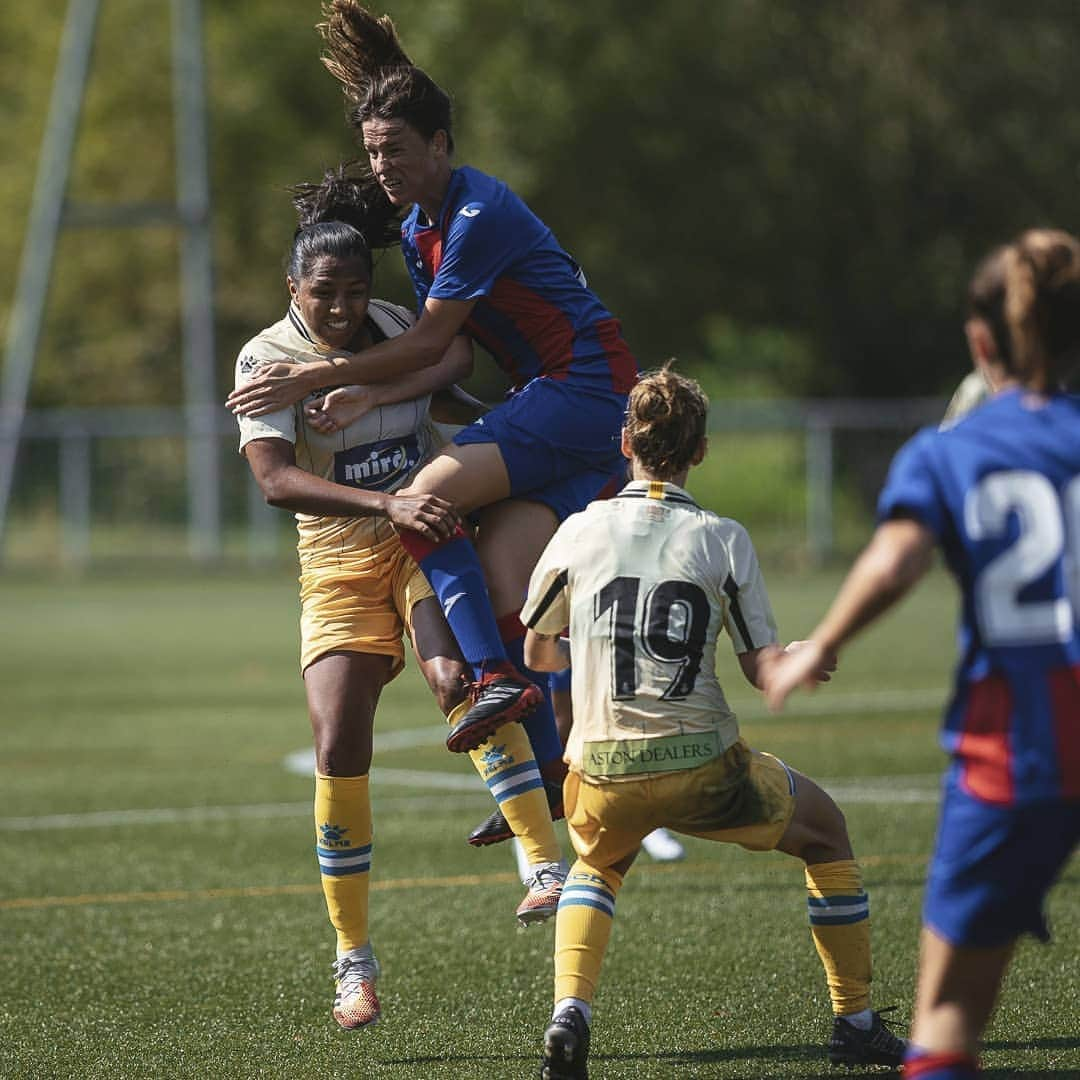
(159, 906)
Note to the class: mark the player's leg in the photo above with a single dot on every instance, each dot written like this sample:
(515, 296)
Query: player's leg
(547, 432)
(511, 536)
(342, 691)
(525, 525)
(504, 761)
(991, 871)
(839, 912)
(605, 828)
(957, 990)
(471, 476)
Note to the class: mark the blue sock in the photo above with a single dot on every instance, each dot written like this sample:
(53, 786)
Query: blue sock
(540, 723)
(453, 571)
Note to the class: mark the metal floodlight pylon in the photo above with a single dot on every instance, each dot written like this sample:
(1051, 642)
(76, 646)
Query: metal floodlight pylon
(51, 211)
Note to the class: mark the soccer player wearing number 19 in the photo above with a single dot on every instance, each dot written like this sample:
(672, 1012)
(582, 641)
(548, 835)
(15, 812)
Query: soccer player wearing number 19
(646, 581)
(1000, 492)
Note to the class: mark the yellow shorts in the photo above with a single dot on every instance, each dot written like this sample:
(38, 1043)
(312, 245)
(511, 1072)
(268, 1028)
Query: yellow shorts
(363, 607)
(742, 797)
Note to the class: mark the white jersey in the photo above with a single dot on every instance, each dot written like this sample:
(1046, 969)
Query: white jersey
(645, 582)
(381, 451)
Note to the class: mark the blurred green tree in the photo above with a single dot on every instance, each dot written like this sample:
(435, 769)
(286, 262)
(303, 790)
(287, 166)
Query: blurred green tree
(788, 195)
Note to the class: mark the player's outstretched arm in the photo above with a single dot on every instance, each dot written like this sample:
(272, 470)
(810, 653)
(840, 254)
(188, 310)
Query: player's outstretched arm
(895, 559)
(278, 386)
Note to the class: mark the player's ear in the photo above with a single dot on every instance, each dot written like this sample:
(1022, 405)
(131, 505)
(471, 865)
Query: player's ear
(981, 342)
(701, 451)
(624, 445)
(294, 290)
(984, 350)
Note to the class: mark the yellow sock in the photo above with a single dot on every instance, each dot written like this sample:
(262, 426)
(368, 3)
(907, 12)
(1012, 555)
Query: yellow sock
(840, 925)
(343, 846)
(506, 764)
(582, 929)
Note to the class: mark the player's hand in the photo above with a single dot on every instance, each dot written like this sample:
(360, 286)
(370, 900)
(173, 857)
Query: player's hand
(273, 387)
(340, 408)
(432, 517)
(802, 664)
(828, 661)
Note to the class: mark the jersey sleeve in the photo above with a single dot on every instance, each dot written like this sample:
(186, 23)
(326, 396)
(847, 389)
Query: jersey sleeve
(275, 425)
(911, 488)
(482, 240)
(547, 605)
(748, 615)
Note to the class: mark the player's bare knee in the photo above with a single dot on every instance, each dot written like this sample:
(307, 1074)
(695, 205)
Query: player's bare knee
(339, 751)
(818, 832)
(344, 760)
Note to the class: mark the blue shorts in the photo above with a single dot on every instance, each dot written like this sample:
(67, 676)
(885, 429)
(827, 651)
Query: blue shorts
(560, 443)
(994, 865)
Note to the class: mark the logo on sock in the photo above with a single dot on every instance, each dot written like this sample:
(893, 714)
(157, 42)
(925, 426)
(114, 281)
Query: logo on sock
(334, 835)
(450, 602)
(494, 757)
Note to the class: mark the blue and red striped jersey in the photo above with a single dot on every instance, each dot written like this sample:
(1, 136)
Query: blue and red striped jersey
(1001, 492)
(534, 312)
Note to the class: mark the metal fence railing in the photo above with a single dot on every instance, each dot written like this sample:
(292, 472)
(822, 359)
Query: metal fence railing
(95, 485)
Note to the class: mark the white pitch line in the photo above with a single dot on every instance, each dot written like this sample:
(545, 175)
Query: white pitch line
(919, 789)
(844, 794)
(96, 819)
(884, 790)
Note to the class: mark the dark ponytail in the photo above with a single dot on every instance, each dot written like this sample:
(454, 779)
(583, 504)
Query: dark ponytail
(379, 80)
(346, 215)
(1042, 306)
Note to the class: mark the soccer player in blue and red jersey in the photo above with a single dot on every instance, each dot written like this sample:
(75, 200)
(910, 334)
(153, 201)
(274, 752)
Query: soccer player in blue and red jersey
(484, 265)
(1000, 492)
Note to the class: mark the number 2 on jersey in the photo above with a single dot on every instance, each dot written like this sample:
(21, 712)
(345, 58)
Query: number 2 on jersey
(670, 629)
(1048, 530)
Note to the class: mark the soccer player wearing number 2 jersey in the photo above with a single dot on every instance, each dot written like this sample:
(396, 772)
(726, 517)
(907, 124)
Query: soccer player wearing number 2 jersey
(999, 491)
(646, 582)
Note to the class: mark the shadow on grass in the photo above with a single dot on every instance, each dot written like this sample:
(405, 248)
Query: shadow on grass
(732, 1053)
(781, 1055)
(1071, 1043)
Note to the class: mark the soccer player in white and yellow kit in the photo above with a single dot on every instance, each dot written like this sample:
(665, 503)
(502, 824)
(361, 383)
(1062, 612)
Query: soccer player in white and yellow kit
(359, 588)
(646, 582)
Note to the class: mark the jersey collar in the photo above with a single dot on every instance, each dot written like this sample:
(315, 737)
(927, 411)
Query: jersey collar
(656, 489)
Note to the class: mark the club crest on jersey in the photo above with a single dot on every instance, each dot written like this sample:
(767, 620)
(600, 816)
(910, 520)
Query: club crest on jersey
(377, 466)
